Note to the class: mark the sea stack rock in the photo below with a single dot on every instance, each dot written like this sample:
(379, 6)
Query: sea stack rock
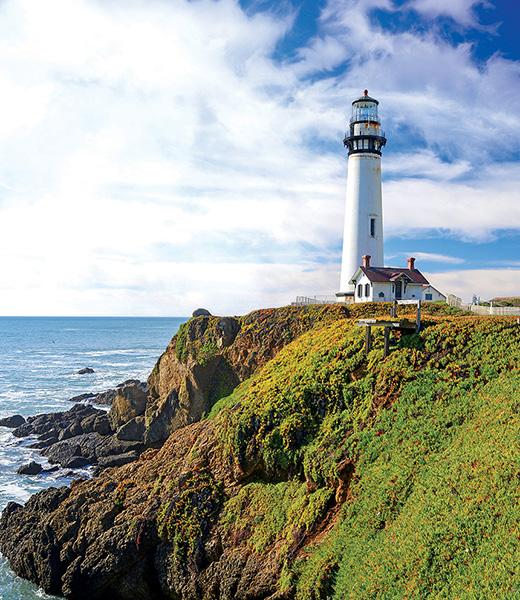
(85, 371)
(32, 468)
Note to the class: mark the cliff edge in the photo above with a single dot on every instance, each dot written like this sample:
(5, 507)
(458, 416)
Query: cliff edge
(298, 467)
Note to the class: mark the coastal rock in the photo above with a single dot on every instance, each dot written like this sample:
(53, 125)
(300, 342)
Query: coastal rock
(83, 397)
(210, 356)
(201, 312)
(130, 402)
(85, 371)
(118, 460)
(89, 543)
(32, 468)
(76, 462)
(102, 425)
(64, 451)
(12, 422)
(132, 430)
(51, 424)
(65, 434)
(227, 329)
(106, 397)
(29, 540)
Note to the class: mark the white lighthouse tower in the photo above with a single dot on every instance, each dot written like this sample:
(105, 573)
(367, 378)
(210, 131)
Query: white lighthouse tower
(363, 233)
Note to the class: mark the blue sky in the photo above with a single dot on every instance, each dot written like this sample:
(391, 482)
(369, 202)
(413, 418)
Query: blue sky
(161, 155)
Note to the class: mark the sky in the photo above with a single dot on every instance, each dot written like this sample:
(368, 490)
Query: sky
(157, 156)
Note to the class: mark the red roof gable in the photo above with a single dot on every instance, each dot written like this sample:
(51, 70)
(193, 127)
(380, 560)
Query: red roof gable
(389, 274)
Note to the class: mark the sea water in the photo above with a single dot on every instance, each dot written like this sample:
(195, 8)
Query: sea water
(39, 361)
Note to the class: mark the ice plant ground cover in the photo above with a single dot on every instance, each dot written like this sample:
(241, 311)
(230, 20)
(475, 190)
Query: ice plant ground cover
(431, 435)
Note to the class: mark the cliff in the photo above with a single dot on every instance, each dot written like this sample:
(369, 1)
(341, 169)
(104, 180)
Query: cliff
(298, 467)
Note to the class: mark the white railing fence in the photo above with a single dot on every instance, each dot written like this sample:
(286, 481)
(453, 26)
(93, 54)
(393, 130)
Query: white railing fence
(453, 300)
(305, 300)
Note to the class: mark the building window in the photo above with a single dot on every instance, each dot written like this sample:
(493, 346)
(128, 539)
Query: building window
(373, 227)
(381, 294)
(359, 290)
(367, 289)
(428, 296)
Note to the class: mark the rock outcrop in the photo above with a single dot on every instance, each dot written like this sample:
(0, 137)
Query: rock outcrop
(87, 436)
(210, 356)
(106, 397)
(100, 539)
(151, 524)
(12, 422)
(32, 468)
(129, 402)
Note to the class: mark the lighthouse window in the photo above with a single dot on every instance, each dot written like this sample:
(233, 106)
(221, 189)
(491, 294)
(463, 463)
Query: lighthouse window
(359, 290)
(373, 227)
(367, 289)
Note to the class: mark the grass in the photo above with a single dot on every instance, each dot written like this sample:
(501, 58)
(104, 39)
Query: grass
(433, 508)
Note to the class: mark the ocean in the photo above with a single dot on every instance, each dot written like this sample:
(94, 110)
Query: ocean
(39, 361)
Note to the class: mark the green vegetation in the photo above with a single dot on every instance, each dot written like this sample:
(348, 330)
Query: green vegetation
(412, 463)
(187, 517)
(197, 338)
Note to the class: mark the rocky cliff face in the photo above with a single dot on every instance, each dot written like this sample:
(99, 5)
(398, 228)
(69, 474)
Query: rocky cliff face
(210, 356)
(151, 529)
(147, 530)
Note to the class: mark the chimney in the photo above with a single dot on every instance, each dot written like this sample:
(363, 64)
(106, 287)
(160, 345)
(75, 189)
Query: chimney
(366, 260)
(411, 263)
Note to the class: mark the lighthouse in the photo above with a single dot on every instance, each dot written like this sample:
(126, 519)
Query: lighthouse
(363, 231)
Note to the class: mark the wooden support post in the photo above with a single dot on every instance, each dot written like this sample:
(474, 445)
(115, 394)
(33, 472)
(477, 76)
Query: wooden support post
(368, 339)
(387, 341)
(418, 319)
(394, 309)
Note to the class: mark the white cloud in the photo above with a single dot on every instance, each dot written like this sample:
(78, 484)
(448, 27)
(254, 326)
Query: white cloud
(432, 257)
(115, 287)
(484, 283)
(131, 128)
(424, 164)
(472, 210)
(461, 11)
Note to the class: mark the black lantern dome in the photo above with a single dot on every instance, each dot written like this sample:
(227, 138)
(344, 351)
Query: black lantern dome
(365, 136)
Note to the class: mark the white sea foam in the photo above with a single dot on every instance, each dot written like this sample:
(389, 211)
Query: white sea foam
(12, 490)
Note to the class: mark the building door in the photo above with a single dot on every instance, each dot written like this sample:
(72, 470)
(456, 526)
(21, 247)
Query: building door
(398, 290)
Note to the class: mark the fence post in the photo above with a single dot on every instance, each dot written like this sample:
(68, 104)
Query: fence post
(368, 339)
(387, 341)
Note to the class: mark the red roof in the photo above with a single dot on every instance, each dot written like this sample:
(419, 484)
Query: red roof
(388, 274)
